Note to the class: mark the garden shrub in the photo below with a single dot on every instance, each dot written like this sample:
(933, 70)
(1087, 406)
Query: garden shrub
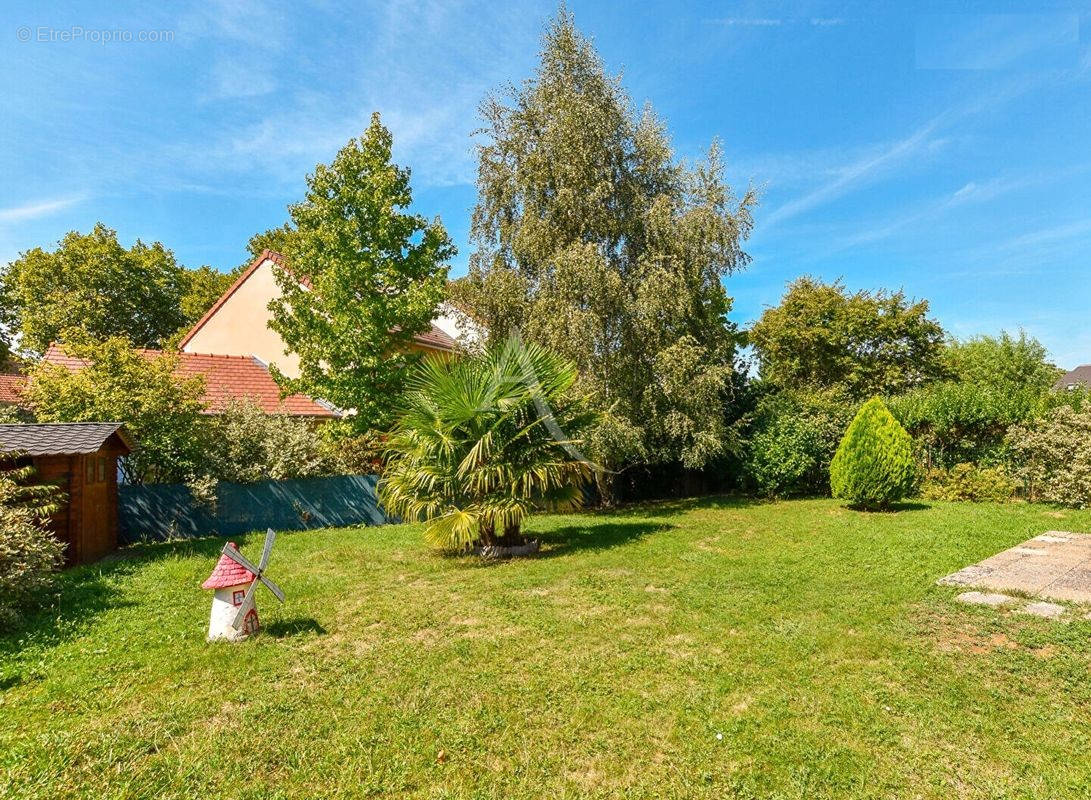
(245, 445)
(874, 465)
(792, 440)
(955, 423)
(1053, 456)
(968, 482)
(28, 551)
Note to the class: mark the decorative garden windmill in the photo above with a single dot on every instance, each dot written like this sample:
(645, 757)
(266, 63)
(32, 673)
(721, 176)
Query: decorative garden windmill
(235, 577)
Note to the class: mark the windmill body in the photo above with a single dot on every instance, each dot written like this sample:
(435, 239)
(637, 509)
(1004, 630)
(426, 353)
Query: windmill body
(234, 611)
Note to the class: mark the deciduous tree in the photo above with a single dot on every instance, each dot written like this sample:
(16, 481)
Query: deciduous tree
(119, 384)
(822, 336)
(94, 284)
(591, 240)
(364, 276)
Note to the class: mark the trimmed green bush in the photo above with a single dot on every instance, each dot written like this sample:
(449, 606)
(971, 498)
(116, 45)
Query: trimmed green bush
(968, 482)
(873, 466)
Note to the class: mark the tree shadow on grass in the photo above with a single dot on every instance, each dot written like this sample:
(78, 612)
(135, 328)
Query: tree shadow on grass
(600, 534)
(283, 628)
(673, 507)
(82, 593)
(909, 505)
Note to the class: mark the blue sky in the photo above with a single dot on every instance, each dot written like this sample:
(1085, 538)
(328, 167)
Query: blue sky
(944, 149)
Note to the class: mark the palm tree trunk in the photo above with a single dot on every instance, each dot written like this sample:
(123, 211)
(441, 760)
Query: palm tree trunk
(488, 534)
(513, 535)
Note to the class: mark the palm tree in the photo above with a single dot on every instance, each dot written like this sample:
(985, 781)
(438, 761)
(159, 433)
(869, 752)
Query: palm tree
(484, 440)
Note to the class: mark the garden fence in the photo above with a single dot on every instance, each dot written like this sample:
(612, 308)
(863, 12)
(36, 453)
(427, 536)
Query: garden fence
(169, 511)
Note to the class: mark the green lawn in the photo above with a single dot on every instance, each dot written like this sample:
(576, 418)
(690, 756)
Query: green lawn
(710, 649)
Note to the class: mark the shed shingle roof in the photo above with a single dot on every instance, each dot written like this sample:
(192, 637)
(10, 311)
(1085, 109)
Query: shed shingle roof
(227, 378)
(60, 438)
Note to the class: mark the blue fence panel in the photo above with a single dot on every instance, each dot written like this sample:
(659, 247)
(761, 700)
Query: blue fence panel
(163, 511)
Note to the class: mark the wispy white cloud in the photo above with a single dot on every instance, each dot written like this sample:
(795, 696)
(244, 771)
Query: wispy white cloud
(1076, 229)
(860, 172)
(971, 193)
(889, 158)
(30, 211)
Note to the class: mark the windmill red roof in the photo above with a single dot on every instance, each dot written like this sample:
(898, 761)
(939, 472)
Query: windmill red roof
(228, 573)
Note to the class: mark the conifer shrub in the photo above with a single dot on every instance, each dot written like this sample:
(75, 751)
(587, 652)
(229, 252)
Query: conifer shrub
(873, 466)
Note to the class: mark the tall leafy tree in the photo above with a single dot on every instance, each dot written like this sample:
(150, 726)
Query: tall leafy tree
(364, 276)
(822, 336)
(1003, 362)
(92, 283)
(591, 240)
(203, 286)
(162, 410)
(275, 239)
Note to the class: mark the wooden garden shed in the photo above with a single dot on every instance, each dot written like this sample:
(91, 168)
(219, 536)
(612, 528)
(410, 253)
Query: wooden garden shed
(80, 458)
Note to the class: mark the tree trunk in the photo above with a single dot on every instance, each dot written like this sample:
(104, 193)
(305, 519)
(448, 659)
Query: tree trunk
(604, 482)
(513, 535)
(488, 534)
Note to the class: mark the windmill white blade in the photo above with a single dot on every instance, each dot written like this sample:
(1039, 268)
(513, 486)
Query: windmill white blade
(240, 615)
(272, 587)
(270, 537)
(240, 559)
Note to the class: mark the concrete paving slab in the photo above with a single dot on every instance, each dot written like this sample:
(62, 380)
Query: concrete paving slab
(985, 599)
(1054, 565)
(1047, 610)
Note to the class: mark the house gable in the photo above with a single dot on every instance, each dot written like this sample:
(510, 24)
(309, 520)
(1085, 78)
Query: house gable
(238, 323)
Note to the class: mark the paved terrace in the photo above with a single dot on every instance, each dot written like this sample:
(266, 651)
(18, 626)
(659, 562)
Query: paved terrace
(1054, 565)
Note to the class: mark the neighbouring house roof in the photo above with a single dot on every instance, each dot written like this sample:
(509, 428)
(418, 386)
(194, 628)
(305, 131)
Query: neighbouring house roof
(1080, 376)
(62, 438)
(227, 378)
(228, 573)
(11, 389)
(434, 338)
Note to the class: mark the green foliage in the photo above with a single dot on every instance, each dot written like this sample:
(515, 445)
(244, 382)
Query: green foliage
(1052, 454)
(28, 551)
(873, 466)
(119, 384)
(92, 283)
(275, 239)
(791, 442)
(956, 422)
(246, 445)
(485, 440)
(968, 482)
(591, 241)
(1004, 363)
(821, 336)
(376, 277)
(203, 287)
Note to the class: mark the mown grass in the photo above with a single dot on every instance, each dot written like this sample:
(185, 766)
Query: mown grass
(718, 648)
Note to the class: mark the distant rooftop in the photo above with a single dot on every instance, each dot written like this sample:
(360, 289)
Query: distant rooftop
(1076, 378)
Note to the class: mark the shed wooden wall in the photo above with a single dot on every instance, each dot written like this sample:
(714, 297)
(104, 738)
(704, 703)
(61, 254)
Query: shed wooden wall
(87, 521)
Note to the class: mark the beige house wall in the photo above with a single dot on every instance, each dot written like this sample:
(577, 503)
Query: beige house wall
(240, 327)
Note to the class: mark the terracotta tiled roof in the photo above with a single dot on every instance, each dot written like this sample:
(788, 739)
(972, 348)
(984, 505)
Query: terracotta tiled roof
(434, 339)
(60, 438)
(11, 388)
(227, 378)
(228, 573)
